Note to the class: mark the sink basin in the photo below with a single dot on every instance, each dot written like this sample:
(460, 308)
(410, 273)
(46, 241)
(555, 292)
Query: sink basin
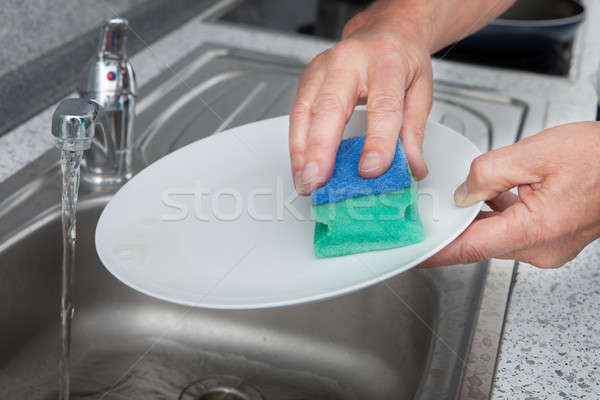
(367, 345)
(421, 335)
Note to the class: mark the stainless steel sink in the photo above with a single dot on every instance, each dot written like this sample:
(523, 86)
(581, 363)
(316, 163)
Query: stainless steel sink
(367, 345)
(424, 334)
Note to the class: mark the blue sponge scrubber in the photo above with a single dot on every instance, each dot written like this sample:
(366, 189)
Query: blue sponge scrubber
(354, 214)
(346, 182)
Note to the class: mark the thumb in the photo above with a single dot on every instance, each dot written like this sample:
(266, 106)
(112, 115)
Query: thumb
(497, 236)
(497, 171)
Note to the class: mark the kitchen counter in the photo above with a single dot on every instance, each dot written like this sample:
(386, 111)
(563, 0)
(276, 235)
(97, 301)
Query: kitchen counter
(551, 342)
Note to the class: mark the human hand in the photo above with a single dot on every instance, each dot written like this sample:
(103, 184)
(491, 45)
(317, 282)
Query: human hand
(557, 211)
(377, 62)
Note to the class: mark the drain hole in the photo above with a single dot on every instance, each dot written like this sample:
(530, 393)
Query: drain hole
(220, 388)
(223, 394)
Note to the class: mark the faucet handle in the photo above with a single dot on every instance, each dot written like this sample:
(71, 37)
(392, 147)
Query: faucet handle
(110, 73)
(113, 39)
(73, 124)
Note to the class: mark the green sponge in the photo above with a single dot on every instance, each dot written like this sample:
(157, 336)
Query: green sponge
(373, 222)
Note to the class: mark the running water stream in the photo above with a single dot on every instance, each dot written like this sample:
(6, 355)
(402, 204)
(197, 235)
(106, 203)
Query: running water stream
(70, 163)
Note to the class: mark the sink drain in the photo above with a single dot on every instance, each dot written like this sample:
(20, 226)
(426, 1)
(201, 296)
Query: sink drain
(220, 388)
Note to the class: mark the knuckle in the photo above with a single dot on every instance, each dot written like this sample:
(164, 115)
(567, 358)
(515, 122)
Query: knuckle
(316, 63)
(296, 148)
(384, 103)
(354, 23)
(481, 171)
(378, 140)
(318, 144)
(468, 253)
(317, 151)
(346, 49)
(308, 79)
(320, 58)
(419, 132)
(300, 111)
(321, 148)
(327, 104)
(305, 76)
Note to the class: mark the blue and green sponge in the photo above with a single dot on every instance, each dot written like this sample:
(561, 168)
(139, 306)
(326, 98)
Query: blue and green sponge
(354, 214)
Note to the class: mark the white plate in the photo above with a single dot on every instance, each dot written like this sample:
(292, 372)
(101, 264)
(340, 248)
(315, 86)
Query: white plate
(210, 224)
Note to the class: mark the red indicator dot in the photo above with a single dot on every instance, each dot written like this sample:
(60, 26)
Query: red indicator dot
(111, 76)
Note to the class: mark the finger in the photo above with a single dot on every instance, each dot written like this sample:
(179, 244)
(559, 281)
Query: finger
(331, 109)
(503, 201)
(498, 171)
(486, 214)
(485, 238)
(527, 192)
(386, 84)
(300, 115)
(418, 100)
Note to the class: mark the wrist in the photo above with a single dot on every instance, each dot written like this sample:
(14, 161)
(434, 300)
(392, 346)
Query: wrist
(409, 19)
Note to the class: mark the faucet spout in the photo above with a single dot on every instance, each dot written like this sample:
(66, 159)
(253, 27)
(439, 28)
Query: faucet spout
(73, 124)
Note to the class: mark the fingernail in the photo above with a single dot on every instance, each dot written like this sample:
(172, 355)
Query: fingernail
(310, 174)
(460, 195)
(370, 162)
(420, 172)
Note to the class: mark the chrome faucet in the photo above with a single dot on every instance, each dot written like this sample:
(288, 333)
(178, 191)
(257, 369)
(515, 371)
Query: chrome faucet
(74, 124)
(107, 90)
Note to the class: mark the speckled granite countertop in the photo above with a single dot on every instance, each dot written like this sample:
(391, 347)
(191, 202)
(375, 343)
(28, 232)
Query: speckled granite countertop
(551, 343)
